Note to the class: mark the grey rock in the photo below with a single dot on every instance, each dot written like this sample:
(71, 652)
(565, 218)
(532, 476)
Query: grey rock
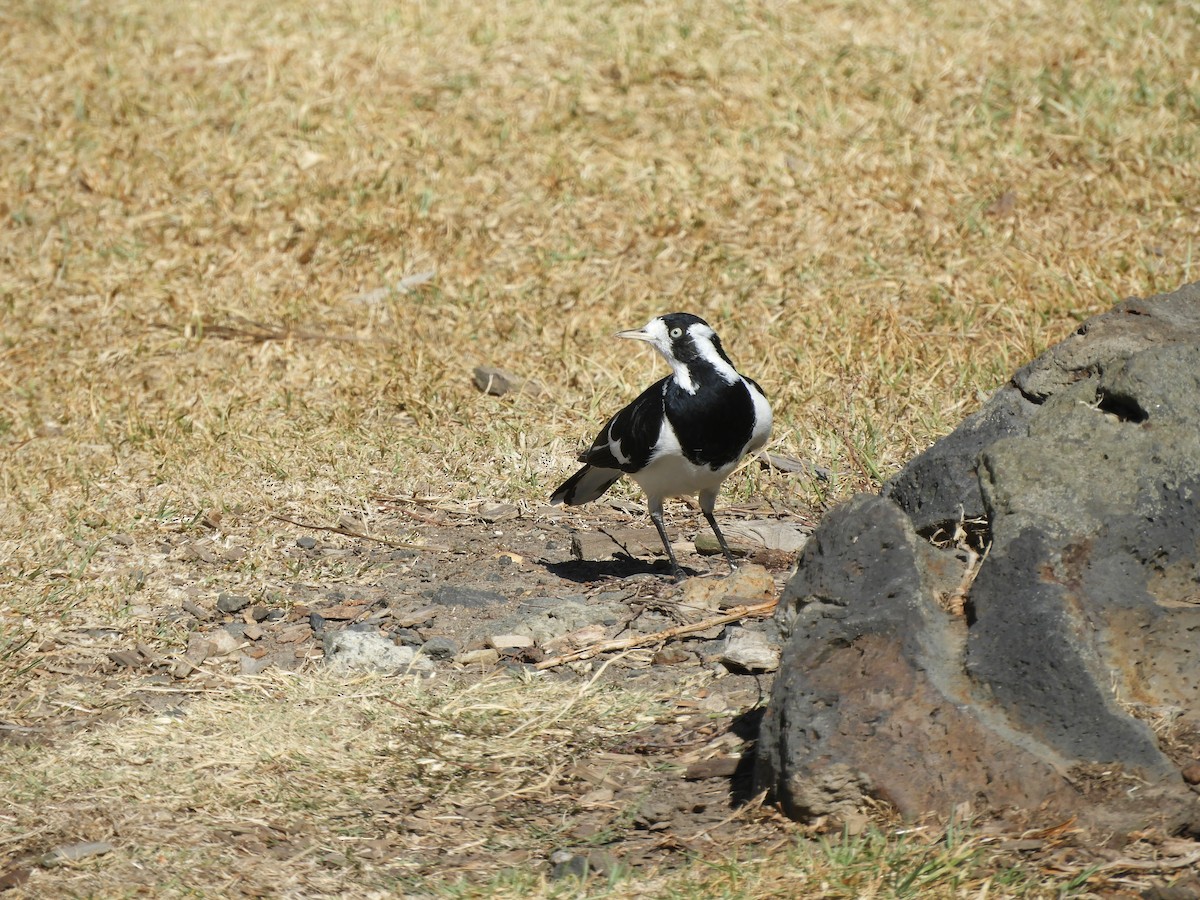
(316, 622)
(1016, 684)
(450, 595)
(365, 651)
(406, 636)
(75, 852)
(871, 662)
(565, 864)
(222, 641)
(440, 648)
(940, 487)
(306, 543)
(543, 619)
(498, 382)
(749, 651)
(1132, 326)
(248, 665)
(231, 603)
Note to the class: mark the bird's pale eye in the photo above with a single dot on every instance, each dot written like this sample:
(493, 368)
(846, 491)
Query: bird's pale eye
(676, 333)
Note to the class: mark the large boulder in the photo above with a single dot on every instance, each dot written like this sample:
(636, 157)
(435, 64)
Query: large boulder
(1015, 622)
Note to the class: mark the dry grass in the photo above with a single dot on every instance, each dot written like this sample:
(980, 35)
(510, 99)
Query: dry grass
(883, 208)
(300, 784)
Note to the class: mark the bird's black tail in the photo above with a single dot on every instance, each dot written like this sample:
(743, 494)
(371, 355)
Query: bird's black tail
(585, 485)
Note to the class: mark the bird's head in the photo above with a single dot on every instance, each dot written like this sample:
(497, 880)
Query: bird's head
(684, 339)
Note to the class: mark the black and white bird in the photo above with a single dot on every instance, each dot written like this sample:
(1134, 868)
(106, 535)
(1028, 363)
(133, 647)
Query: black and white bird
(683, 435)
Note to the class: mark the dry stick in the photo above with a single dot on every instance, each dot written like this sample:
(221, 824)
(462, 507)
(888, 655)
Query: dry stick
(399, 545)
(1149, 865)
(736, 614)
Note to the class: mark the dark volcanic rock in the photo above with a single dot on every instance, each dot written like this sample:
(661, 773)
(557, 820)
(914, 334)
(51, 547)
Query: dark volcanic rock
(871, 698)
(913, 676)
(939, 488)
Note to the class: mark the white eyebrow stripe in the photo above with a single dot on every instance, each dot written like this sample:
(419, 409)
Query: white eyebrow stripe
(702, 336)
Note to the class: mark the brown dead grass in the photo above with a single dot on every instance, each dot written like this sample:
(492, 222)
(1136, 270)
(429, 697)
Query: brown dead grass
(205, 210)
(312, 785)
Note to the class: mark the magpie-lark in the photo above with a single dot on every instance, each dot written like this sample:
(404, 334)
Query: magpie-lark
(684, 434)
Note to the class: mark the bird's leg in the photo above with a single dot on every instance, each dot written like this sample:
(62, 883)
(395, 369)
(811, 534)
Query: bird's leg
(707, 502)
(720, 539)
(656, 511)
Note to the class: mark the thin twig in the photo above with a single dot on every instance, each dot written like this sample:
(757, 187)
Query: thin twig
(1150, 865)
(736, 614)
(337, 529)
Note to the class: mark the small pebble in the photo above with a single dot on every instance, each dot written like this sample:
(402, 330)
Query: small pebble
(306, 542)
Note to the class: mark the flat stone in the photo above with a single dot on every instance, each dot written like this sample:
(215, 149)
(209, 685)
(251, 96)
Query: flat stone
(616, 543)
(407, 636)
(509, 641)
(301, 631)
(440, 647)
(470, 598)
(498, 382)
(231, 603)
(371, 651)
(342, 612)
(500, 513)
(545, 623)
(76, 852)
(672, 655)
(745, 585)
(421, 616)
(483, 657)
(749, 651)
(222, 642)
(250, 665)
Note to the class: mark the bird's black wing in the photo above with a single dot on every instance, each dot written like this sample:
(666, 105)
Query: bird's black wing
(626, 441)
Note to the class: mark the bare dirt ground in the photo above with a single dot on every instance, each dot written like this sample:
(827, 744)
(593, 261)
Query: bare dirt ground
(675, 786)
(447, 801)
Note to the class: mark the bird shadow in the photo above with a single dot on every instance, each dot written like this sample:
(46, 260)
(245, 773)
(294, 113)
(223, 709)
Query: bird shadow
(583, 571)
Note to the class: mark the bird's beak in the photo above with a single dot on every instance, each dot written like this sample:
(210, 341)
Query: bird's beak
(637, 334)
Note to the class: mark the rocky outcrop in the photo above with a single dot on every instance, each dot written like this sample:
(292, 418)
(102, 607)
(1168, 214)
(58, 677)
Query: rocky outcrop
(1015, 622)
